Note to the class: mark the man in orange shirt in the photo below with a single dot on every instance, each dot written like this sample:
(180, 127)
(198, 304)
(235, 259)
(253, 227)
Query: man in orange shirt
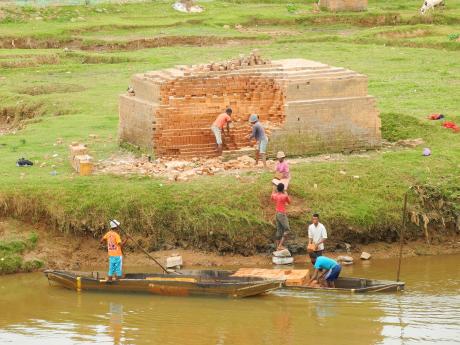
(218, 126)
(281, 199)
(114, 249)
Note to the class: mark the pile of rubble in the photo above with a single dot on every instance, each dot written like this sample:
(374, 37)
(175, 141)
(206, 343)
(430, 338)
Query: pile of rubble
(253, 59)
(176, 170)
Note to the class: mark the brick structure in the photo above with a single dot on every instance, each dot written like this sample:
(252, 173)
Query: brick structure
(343, 5)
(308, 107)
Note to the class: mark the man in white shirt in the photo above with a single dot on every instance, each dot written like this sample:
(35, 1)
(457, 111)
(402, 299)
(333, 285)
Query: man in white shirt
(317, 235)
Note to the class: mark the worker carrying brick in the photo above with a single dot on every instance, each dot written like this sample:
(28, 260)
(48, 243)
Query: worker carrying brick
(326, 271)
(218, 126)
(258, 133)
(317, 235)
(282, 174)
(281, 199)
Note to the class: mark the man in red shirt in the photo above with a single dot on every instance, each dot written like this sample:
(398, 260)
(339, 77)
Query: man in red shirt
(218, 126)
(281, 198)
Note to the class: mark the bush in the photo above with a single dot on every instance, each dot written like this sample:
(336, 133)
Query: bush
(10, 264)
(400, 126)
(32, 265)
(11, 255)
(291, 8)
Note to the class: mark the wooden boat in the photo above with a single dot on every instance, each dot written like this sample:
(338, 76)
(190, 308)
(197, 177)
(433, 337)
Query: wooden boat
(359, 285)
(298, 279)
(188, 283)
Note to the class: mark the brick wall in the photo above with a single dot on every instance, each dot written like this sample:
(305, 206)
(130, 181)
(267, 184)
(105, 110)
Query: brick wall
(189, 106)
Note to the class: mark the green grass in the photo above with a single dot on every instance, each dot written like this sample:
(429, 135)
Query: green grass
(410, 75)
(11, 254)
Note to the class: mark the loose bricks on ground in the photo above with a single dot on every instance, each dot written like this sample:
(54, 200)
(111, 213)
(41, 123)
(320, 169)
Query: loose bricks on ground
(80, 160)
(308, 107)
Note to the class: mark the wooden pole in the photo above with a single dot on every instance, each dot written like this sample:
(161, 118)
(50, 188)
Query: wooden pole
(143, 250)
(401, 235)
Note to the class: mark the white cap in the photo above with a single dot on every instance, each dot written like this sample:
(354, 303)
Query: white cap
(114, 223)
(280, 154)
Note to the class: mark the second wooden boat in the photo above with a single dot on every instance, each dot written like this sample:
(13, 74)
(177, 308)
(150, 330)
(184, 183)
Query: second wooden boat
(298, 279)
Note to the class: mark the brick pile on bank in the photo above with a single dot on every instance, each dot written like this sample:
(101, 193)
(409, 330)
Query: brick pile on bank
(309, 107)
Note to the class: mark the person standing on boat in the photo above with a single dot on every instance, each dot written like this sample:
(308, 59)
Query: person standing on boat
(317, 235)
(281, 199)
(114, 249)
(325, 269)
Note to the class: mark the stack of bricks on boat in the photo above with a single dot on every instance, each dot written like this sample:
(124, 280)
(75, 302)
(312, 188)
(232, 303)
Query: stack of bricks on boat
(307, 107)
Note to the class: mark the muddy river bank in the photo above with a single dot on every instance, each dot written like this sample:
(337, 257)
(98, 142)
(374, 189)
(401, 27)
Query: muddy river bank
(427, 312)
(57, 250)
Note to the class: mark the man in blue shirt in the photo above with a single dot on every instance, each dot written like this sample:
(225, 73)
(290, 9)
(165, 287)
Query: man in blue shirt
(258, 133)
(327, 269)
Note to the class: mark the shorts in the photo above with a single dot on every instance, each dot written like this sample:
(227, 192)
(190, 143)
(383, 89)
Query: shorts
(218, 134)
(333, 273)
(282, 225)
(313, 257)
(115, 265)
(262, 145)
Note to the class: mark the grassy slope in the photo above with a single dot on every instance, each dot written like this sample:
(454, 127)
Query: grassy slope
(13, 247)
(409, 83)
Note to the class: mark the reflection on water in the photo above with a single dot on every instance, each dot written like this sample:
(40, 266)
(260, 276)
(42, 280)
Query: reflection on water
(116, 321)
(31, 312)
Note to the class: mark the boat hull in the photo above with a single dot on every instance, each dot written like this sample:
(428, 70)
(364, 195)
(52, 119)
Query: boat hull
(359, 285)
(201, 283)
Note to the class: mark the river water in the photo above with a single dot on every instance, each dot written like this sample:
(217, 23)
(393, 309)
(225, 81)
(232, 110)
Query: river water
(428, 312)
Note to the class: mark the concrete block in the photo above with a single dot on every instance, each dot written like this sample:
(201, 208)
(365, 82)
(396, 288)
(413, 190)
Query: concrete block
(365, 256)
(174, 261)
(282, 253)
(289, 260)
(345, 260)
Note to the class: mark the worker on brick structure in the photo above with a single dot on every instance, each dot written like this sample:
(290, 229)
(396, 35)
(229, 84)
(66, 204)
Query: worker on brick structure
(281, 199)
(282, 174)
(218, 126)
(317, 235)
(258, 133)
(114, 249)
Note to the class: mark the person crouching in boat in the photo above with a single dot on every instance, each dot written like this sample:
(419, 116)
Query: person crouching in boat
(326, 269)
(114, 249)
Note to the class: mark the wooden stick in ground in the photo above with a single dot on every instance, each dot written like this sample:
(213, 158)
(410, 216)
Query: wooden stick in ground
(145, 252)
(401, 236)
